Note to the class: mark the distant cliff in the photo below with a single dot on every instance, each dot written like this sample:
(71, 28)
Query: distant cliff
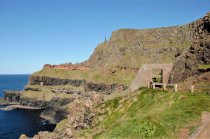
(118, 59)
(130, 48)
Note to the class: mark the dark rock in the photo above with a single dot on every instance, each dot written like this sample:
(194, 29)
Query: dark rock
(33, 103)
(31, 89)
(186, 65)
(66, 91)
(88, 86)
(60, 102)
(96, 87)
(12, 96)
(37, 80)
(101, 87)
(54, 114)
(4, 102)
(54, 111)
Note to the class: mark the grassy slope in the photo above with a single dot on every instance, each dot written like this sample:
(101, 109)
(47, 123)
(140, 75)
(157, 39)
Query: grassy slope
(147, 114)
(201, 83)
(132, 47)
(119, 77)
(46, 94)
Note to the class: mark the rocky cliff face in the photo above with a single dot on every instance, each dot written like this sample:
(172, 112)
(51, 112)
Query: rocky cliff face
(187, 64)
(130, 48)
(88, 86)
(79, 115)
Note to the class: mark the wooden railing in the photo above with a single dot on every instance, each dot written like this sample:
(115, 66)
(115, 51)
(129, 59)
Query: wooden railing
(164, 86)
(176, 87)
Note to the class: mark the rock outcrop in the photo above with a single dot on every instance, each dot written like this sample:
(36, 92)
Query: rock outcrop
(130, 48)
(12, 96)
(88, 86)
(66, 91)
(187, 64)
(32, 102)
(80, 117)
(4, 102)
(37, 80)
(55, 111)
(15, 97)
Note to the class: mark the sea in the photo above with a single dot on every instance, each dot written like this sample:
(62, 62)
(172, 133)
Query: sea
(19, 121)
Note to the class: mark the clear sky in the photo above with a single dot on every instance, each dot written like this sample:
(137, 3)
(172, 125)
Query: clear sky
(36, 32)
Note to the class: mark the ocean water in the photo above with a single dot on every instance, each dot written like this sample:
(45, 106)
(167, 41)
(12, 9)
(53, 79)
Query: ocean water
(16, 122)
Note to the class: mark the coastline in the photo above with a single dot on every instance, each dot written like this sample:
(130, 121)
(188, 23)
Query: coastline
(16, 106)
(8, 105)
(4, 102)
(17, 118)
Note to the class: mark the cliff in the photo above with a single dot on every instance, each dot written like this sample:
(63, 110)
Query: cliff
(116, 61)
(188, 63)
(130, 48)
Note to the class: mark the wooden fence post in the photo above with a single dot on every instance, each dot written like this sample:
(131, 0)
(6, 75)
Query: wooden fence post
(209, 88)
(41, 84)
(153, 85)
(175, 87)
(192, 89)
(148, 85)
(164, 86)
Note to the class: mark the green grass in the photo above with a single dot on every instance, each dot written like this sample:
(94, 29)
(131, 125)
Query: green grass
(94, 75)
(49, 88)
(149, 114)
(61, 126)
(45, 93)
(204, 66)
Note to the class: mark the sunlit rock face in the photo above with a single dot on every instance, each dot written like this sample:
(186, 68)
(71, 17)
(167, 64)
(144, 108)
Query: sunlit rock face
(186, 65)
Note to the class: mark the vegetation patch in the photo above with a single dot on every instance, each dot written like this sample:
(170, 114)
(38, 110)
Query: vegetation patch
(61, 125)
(204, 66)
(94, 75)
(155, 114)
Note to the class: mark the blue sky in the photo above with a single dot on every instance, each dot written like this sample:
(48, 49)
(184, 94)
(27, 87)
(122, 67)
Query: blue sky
(36, 32)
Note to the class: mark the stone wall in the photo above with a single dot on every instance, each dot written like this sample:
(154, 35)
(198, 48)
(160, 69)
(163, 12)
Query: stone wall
(144, 75)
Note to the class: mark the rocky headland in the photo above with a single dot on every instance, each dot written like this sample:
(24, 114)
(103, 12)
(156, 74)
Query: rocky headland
(70, 94)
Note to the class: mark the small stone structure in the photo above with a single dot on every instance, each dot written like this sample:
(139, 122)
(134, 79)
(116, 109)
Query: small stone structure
(146, 74)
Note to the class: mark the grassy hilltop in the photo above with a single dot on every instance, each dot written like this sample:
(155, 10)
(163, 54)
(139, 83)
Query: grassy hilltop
(94, 75)
(128, 49)
(148, 114)
(131, 47)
